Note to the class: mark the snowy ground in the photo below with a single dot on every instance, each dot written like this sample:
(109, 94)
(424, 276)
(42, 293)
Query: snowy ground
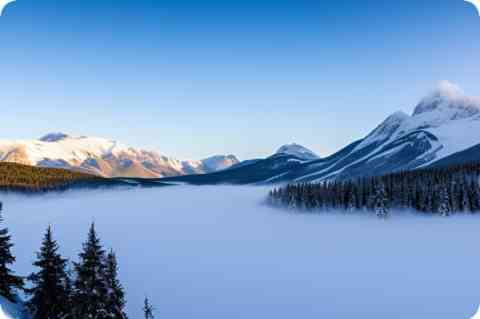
(215, 252)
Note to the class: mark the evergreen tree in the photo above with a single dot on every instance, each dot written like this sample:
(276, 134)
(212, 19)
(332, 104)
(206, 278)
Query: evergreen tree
(50, 291)
(352, 201)
(465, 204)
(69, 292)
(292, 203)
(475, 190)
(454, 196)
(444, 207)
(9, 283)
(90, 288)
(381, 201)
(116, 294)
(148, 309)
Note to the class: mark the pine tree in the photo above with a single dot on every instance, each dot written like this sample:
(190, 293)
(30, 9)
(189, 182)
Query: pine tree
(9, 283)
(463, 194)
(90, 288)
(50, 291)
(116, 294)
(474, 196)
(465, 199)
(292, 203)
(148, 309)
(454, 197)
(69, 291)
(352, 200)
(381, 201)
(444, 206)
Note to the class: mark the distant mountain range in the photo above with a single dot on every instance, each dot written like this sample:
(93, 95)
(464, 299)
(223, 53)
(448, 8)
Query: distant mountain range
(104, 157)
(443, 130)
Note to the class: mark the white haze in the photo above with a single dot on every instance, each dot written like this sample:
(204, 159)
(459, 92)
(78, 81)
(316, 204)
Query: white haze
(216, 253)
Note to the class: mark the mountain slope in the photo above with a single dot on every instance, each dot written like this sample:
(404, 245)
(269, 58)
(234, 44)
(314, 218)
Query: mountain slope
(103, 157)
(23, 177)
(31, 179)
(464, 157)
(443, 124)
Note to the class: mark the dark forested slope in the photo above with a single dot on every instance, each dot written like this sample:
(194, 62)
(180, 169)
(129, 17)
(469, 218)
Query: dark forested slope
(19, 177)
(434, 190)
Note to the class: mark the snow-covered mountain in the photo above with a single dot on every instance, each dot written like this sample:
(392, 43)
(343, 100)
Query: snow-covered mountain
(298, 151)
(104, 157)
(443, 129)
(443, 123)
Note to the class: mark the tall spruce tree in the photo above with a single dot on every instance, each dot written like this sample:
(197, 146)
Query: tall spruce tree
(90, 287)
(9, 283)
(148, 310)
(381, 201)
(116, 294)
(50, 285)
(444, 207)
(352, 201)
(69, 291)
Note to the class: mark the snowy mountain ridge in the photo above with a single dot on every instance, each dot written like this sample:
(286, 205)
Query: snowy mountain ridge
(297, 150)
(441, 129)
(440, 125)
(446, 113)
(104, 157)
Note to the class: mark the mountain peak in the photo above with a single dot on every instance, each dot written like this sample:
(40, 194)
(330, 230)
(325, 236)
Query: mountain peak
(54, 137)
(219, 162)
(297, 150)
(449, 90)
(448, 97)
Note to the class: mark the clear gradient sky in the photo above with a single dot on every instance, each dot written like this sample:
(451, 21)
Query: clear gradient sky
(196, 78)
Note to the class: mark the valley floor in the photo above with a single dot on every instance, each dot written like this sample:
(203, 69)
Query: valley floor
(218, 252)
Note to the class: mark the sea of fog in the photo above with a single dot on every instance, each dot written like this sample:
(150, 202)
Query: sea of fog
(217, 252)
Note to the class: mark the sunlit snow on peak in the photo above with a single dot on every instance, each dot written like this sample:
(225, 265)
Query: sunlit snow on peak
(447, 97)
(297, 150)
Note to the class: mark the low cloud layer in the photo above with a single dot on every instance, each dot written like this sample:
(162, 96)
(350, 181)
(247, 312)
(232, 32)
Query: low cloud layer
(217, 252)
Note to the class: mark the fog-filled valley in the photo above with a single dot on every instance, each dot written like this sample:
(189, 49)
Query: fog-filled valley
(219, 252)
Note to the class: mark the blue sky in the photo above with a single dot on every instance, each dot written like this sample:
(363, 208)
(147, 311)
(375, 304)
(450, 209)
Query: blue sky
(195, 78)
